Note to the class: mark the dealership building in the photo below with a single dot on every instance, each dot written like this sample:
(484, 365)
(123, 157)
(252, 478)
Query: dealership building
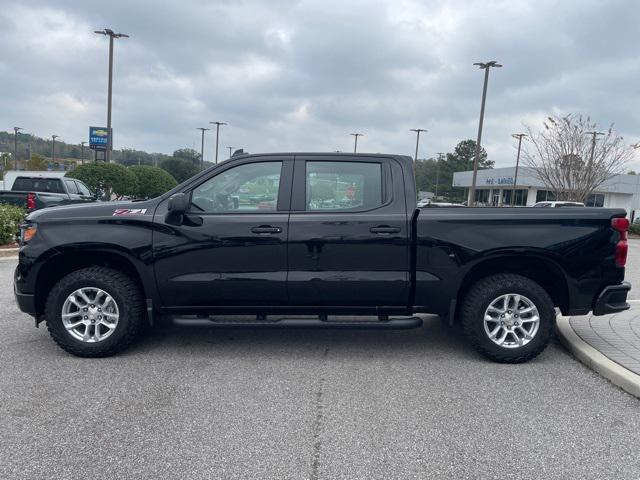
(494, 187)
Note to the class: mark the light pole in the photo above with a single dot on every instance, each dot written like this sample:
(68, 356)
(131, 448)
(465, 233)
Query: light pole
(15, 147)
(217, 124)
(440, 154)
(202, 129)
(417, 130)
(355, 143)
(519, 136)
(82, 144)
(230, 148)
(53, 147)
(486, 67)
(109, 33)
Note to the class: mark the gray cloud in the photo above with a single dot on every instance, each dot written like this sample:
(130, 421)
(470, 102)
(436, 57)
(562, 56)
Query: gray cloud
(303, 75)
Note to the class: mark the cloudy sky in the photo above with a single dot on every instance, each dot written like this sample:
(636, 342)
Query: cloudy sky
(302, 75)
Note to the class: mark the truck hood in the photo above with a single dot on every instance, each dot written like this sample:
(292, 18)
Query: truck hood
(96, 210)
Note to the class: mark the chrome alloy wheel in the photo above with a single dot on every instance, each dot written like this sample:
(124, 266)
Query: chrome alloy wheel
(511, 320)
(90, 314)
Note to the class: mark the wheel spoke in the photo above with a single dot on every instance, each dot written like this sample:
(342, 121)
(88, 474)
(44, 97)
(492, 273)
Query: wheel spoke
(96, 332)
(71, 326)
(516, 301)
(495, 331)
(535, 318)
(110, 326)
(502, 338)
(107, 300)
(84, 296)
(525, 334)
(74, 300)
(87, 333)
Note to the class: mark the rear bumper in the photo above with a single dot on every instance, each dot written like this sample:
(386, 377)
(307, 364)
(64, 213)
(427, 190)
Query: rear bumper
(612, 299)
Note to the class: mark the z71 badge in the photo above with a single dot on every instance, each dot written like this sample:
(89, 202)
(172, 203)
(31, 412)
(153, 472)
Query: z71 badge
(129, 211)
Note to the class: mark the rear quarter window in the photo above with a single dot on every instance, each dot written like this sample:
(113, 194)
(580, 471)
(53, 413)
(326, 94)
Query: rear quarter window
(51, 185)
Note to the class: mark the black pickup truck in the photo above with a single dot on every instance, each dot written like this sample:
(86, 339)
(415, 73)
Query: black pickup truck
(307, 236)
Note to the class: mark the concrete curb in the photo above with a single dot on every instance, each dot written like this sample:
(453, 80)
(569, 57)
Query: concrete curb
(15, 257)
(596, 361)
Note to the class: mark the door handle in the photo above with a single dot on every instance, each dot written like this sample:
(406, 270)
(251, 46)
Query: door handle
(266, 229)
(382, 229)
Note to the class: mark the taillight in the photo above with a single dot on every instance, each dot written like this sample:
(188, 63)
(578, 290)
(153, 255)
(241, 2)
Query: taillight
(31, 201)
(621, 225)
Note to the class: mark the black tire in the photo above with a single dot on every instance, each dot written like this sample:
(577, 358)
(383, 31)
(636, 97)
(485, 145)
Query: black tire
(127, 295)
(483, 293)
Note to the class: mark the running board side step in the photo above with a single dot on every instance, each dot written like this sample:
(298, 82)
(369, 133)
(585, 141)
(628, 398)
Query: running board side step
(401, 323)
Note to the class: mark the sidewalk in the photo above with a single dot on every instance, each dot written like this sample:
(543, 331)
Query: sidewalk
(609, 344)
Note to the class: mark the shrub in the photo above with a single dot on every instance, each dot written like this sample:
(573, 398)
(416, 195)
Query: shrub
(181, 170)
(151, 181)
(107, 178)
(11, 216)
(634, 228)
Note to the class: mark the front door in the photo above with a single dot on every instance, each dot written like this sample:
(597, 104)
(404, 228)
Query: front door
(230, 249)
(348, 233)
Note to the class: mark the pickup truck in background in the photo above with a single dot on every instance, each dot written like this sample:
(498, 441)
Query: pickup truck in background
(36, 190)
(340, 235)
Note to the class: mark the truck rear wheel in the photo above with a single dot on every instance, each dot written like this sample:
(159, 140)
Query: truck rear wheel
(508, 318)
(94, 312)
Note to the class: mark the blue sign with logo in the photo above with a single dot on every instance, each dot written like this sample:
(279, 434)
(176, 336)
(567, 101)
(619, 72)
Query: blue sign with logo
(98, 138)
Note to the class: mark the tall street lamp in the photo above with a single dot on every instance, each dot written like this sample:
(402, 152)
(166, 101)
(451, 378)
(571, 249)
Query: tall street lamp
(440, 155)
(109, 33)
(355, 143)
(417, 130)
(202, 129)
(519, 136)
(82, 144)
(53, 147)
(15, 147)
(217, 124)
(486, 67)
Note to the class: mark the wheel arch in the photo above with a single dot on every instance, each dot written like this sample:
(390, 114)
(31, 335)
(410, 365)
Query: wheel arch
(542, 270)
(69, 260)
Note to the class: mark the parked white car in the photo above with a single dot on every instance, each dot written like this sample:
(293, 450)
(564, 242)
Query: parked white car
(559, 204)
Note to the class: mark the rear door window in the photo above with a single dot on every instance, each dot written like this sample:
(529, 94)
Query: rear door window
(343, 186)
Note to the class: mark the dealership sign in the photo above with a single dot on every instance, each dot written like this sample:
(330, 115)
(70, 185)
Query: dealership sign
(98, 138)
(499, 181)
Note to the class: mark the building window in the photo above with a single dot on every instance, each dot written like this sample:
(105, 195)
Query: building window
(595, 200)
(520, 197)
(482, 197)
(545, 196)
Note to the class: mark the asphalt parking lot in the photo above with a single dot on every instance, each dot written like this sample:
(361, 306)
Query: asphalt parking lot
(304, 404)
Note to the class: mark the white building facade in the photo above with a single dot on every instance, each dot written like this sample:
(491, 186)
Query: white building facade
(494, 187)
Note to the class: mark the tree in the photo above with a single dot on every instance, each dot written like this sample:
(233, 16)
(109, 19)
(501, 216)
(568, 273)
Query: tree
(631, 172)
(151, 181)
(37, 162)
(181, 170)
(107, 179)
(188, 155)
(461, 160)
(569, 160)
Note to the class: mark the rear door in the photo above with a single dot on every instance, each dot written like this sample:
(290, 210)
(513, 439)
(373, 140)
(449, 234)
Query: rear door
(348, 232)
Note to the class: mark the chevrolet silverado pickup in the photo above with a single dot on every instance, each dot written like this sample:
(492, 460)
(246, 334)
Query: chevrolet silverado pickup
(38, 190)
(291, 239)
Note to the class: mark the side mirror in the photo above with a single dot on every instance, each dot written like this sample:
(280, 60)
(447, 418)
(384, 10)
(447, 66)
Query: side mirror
(178, 203)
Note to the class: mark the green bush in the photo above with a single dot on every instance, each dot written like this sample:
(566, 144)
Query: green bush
(151, 181)
(107, 179)
(634, 228)
(11, 216)
(181, 170)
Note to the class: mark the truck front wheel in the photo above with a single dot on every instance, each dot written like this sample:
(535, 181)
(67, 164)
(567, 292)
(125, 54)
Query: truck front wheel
(94, 312)
(508, 318)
